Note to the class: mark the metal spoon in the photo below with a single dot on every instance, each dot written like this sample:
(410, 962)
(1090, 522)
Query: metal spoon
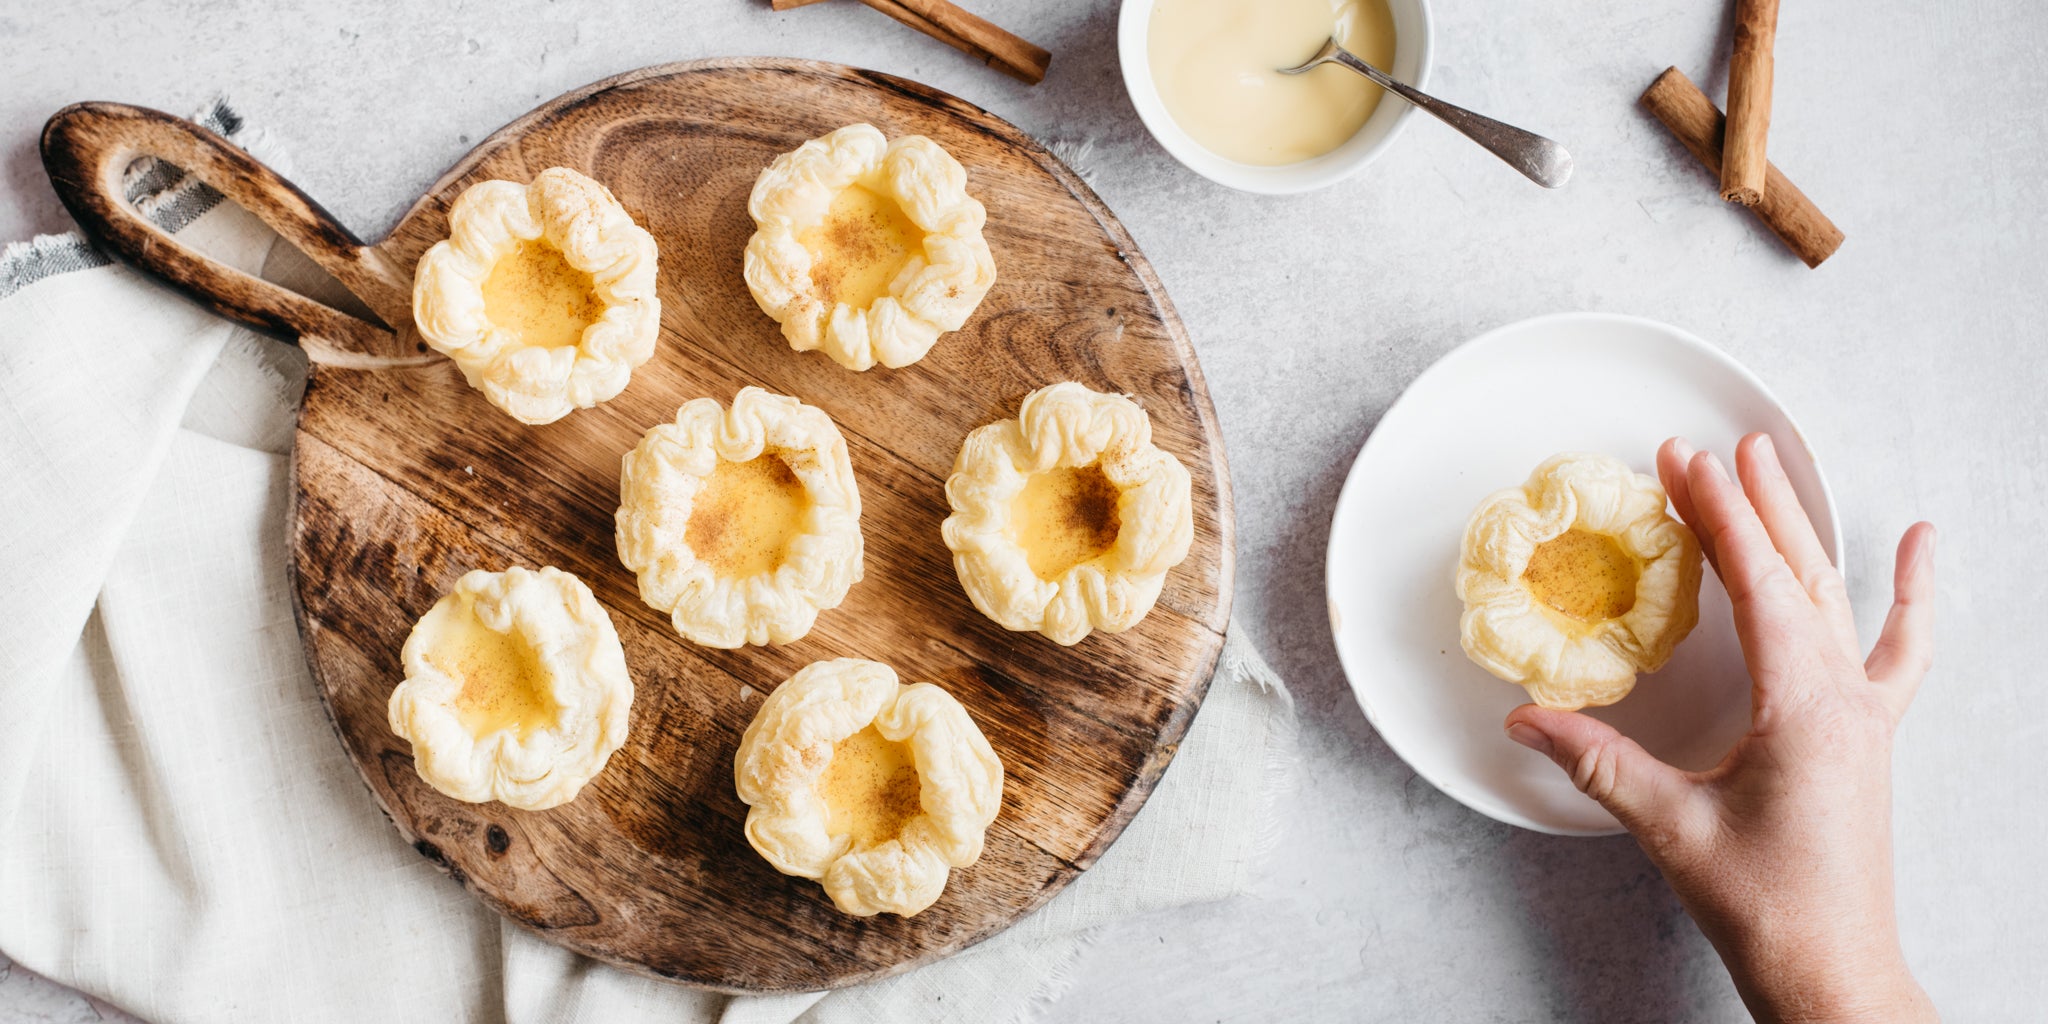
(1544, 162)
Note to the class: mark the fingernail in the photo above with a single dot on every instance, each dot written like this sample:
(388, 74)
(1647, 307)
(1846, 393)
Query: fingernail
(1530, 736)
(1683, 448)
(1714, 466)
(1766, 447)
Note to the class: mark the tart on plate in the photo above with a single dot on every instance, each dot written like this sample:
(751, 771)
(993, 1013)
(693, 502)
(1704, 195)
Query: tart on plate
(867, 249)
(1576, 581)
(542, 294)
(742, 523)
(515, 689)
(1066, 519)
(873, 788)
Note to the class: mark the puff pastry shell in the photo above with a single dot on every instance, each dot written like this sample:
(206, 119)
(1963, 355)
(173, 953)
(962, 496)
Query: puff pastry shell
(574, 686)
(786, 753)
(579, 219)
(1068, 425)
(937, 288)
(1563, 661)
(662, 477)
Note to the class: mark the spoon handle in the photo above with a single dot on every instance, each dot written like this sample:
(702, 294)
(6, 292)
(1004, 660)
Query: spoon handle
(1544, 162)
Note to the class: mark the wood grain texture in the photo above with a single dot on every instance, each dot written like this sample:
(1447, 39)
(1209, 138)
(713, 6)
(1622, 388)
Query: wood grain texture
(404, 479)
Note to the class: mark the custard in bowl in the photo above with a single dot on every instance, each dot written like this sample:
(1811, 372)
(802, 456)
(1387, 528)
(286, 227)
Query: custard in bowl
(875, 789)
(1576, 581)
(867, 249)
(1204, 78)
(1066, 519)
(742, 523)
(515, 689)
(542, 294)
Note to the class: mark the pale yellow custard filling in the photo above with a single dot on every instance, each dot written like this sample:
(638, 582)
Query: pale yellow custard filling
(1064, 517)
(742, 521)
(871, 789)
(535, 293)
(859, 247)
(503, 684)
(1583, 575)
(1216, 64)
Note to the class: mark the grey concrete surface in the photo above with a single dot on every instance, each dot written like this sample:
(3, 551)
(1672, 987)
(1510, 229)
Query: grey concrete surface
(1915, 359)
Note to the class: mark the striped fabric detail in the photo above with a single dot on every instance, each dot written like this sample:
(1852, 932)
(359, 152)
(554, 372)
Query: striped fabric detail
(163, 193)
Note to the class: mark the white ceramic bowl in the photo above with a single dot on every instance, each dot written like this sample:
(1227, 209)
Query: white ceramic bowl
(1412, 46)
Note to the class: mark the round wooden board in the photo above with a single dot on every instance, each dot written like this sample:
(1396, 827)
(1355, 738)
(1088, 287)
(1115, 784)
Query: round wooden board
(405, 479)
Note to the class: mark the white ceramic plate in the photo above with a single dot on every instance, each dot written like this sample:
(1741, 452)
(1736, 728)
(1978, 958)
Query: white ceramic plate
(1477, 421)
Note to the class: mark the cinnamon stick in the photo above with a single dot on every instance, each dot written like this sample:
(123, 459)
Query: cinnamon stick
(960, 30)
(906, 16)
(1690, 115)
(1749, 101)
(1004, 51)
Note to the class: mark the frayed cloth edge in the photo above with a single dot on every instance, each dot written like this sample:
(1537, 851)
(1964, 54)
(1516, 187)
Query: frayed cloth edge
(169, 197)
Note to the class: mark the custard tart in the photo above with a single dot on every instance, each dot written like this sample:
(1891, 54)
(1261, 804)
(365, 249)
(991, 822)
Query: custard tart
(867, 249)
(742, 523)
(873, 788)
(1576, 581)
(543, 294)
(515, 689)
(1066, 519)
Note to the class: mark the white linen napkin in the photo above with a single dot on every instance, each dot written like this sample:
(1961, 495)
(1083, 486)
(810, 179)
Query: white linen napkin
(181, 834)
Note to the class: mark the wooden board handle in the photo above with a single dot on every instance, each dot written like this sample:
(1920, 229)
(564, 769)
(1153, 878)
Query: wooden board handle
(87, 149)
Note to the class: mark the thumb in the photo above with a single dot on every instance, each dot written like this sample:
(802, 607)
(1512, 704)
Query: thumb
(1639, 790)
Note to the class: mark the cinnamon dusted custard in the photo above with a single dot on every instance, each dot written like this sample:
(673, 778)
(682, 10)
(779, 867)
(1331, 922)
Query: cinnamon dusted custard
(542, 294)
(873, 788)
(870, 788)
(1576, 581)
(1583, 576)
(746, 515)
(742, 524)
(515, 689)
(860, 246)
(867, 249)
(1066, 519)
(534, 293)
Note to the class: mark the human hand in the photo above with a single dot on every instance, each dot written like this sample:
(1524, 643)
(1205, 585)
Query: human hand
(1783, 852)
